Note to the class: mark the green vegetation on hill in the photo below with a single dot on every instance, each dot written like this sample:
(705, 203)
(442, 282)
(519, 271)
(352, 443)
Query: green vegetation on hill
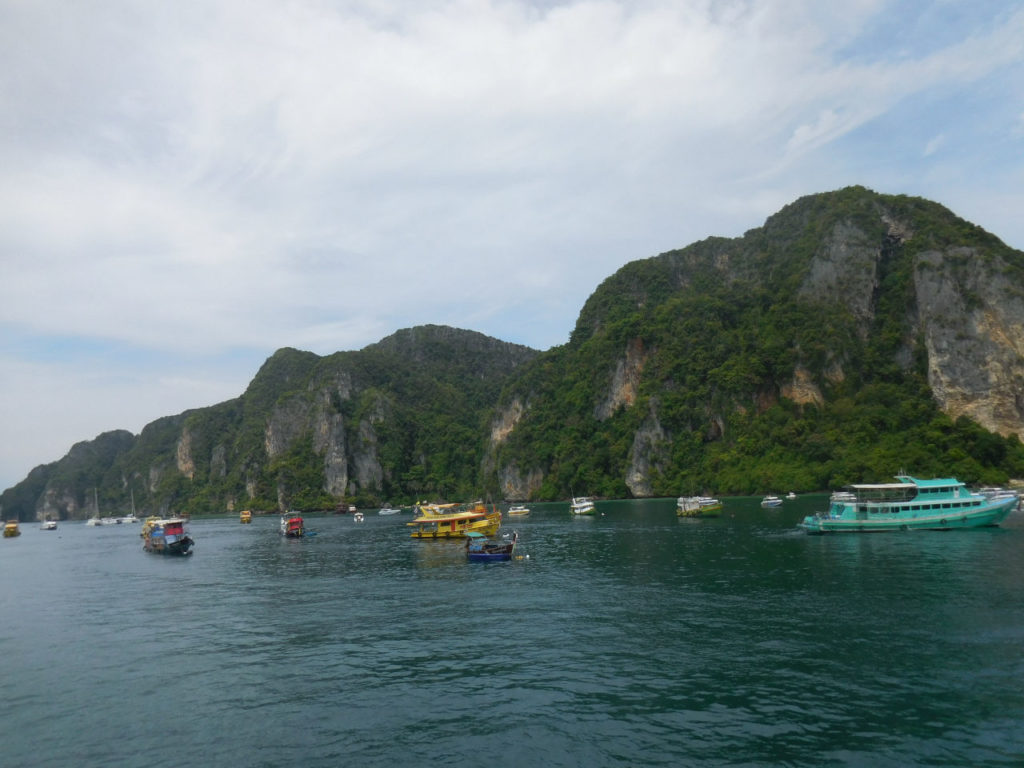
(710, 368)
(721, 343)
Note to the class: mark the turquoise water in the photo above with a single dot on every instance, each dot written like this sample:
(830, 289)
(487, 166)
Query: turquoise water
(631, 638)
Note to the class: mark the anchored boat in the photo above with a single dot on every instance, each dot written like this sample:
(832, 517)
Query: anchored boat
(938, 504)
(166, 536)
(582, 505)
(698, 506)
(11, 529)
(292, 526)
(482, 549)
(443, 521)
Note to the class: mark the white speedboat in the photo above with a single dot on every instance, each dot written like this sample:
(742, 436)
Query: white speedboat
(771, 501)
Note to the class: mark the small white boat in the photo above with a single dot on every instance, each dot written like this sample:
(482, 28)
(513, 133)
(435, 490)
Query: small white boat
(48, 525)
(357, 517)
(790, 496)
(130, 517)
(771, 501)
(95, 519)
(388, 511)
(518, 510)
(698, 506)
(582, 505)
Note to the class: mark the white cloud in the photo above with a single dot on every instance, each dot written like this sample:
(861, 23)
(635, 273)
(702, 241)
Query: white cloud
(934, 144)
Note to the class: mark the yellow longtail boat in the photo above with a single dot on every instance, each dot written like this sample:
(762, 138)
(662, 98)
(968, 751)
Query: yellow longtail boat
(445, 521)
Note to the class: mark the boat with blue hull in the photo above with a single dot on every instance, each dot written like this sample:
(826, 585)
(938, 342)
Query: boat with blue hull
(481, 549)
(166, 537)
(938, 504)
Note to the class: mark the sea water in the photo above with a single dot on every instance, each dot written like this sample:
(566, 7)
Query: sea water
(630, 638)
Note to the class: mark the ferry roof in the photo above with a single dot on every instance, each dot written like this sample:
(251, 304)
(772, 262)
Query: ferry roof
(880, 486)
(908, 481)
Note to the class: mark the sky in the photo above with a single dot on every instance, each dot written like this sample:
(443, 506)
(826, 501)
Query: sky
(187, 187)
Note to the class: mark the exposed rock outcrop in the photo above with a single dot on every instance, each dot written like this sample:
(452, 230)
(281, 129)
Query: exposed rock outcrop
(516, 486)
(802, 389)
(972, 322)
(625, 383)
(648, 454)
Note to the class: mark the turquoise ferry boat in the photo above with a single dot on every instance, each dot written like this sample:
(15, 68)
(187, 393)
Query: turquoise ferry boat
(939, 504)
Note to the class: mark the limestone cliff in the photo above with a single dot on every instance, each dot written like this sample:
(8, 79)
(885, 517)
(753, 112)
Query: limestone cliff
(625, 381)
(648, 454)
(972, 321)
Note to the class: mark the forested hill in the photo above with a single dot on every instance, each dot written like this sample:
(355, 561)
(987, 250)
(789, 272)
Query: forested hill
(853, 335)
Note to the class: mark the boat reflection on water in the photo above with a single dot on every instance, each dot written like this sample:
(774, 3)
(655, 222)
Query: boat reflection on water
(444, 553)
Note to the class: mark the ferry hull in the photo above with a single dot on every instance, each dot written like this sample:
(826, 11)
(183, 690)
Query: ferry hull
(981, 517)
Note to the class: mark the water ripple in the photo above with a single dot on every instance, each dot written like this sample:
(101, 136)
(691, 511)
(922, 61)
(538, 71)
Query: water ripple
(632, 638)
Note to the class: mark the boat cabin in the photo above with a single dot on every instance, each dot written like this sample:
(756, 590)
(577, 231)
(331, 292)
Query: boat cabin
(166, 537)
(292, 527)
(914, 496)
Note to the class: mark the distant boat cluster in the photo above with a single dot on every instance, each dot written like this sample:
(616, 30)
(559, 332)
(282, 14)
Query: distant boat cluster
(908, 504)
(122, 520)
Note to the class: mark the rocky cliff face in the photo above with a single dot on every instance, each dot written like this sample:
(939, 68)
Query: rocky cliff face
(648, 454)
(966, 308)
(625, 382)
(972, 321)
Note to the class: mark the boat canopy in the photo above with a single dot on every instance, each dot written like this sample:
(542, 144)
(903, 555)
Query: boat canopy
(475, 535)
(881, 486)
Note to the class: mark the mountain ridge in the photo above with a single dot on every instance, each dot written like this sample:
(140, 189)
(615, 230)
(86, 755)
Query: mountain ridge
(812, 351)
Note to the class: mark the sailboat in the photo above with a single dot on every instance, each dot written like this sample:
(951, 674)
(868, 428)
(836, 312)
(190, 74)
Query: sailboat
(129, 518)
(95, 519)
